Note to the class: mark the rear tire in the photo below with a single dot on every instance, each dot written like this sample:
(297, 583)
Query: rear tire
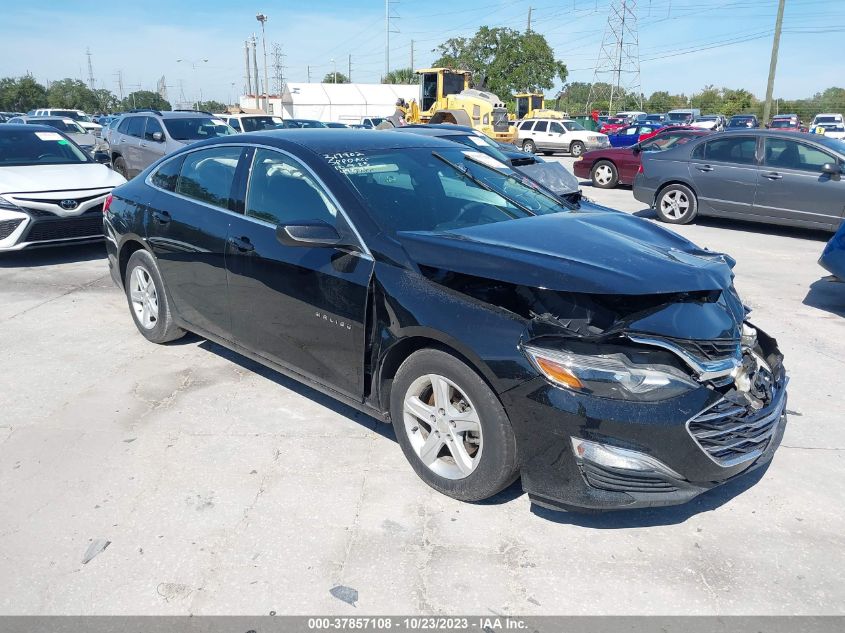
(467, 452)
(147, 299)
(529, 147)
(676, 204)
(120, 167)
(604, 175)
(576, 148)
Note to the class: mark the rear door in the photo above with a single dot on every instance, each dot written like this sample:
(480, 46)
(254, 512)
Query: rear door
(187, 230)
(791, 187)
(301, 306)
(724, 174)
(541, 136)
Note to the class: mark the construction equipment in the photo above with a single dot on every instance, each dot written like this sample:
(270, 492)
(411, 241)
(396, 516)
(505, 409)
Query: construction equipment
(532, 105)
(445, 97)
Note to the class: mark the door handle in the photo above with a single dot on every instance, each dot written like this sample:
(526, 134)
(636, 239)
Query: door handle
(772, 175)
(242, 244)
(704, 168)
(162, 217)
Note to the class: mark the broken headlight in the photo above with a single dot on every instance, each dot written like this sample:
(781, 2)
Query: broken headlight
(610, 375)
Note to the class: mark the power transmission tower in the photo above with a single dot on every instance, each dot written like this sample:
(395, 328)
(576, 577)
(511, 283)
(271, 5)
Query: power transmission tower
(389, 18)
(618, 64)
(119, 75)
(278, 68)
(91, 83)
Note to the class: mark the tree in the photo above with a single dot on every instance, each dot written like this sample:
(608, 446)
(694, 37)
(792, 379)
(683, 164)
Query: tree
(708, 100)
(737, 101)
(211, 106)
(20, 94)
(335, 78)
(145, 99)
(72, 93)
(504, 61)
(401, 76)
(106, 100)
(662, 101)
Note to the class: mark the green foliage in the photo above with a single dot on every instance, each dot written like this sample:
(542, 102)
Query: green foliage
(212, 106)
(401, 76)
(106, 100)
(145, 99)
(335, 78)
(21, 94)
(503, 60)
(73, 94)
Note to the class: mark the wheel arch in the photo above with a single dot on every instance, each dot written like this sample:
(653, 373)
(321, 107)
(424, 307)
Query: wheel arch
(674, 181)
(127, 248)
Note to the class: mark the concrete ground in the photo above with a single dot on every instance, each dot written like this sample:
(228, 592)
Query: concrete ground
(223, 487)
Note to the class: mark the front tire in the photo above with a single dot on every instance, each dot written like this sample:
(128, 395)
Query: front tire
(529, 147)
(147, 299)
(576, 148)
(676, 204)
(120, 167)
(604, 175)
(452, 427)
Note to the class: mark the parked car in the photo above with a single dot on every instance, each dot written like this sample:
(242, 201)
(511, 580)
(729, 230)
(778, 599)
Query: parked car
(759, 175)
(712, 122)
(608, 168)
(605, 360)
(656, 118)
(372, 122)
(336, 124)
(77, 115)
(71, 128)
(612, 124)
(786, 123)
(252, 122)
(634, 116)
(632, 134)
(683, 116)
(142, 137)
(743, 121)
(109, 129)
(553, 176)
(302, 123)
(558, 135)
(820, 119)
(833, 256)
(831, 130)
(51, 192)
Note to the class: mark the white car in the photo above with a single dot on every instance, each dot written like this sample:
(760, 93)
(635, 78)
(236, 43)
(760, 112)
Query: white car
(51, 192)
(77, 115)
(252, 122)
(558, 135)
(715, 122)
(830, 130)
(820, 119)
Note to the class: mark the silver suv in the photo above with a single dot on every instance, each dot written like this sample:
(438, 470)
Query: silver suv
(142, 137)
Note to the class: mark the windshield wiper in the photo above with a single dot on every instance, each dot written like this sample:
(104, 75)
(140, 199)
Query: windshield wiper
(464, 171)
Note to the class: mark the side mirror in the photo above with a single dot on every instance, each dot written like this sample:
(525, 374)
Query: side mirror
(832, 168)
(637, 149)
(158, 137)
(102, 157)
(315, 233)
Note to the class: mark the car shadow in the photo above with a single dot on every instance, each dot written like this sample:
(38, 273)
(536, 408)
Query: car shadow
(53, 255)
(653, 517)
(367, 421)
(827, 294)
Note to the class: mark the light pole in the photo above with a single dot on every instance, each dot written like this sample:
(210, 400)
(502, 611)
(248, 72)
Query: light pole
(193, 63)
(334, 71)
(263, 19)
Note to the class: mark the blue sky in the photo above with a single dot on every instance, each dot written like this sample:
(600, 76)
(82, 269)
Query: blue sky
(680, 40)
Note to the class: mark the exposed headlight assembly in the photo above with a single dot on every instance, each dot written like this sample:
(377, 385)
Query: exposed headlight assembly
(609, 375)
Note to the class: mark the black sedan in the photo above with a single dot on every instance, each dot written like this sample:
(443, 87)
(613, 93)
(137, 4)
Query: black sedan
(606, 361)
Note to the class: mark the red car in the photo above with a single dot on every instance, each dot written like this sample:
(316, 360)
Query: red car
(618, 165)
(612, 124)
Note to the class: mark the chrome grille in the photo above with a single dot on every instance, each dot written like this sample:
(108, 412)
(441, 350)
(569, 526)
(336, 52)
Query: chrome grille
(731, 434)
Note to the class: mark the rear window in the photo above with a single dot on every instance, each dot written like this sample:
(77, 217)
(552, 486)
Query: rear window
(167, 175)
(207, 175)
(196, 128)
(38, 148)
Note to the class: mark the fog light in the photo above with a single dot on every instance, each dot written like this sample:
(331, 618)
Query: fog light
(615, 457)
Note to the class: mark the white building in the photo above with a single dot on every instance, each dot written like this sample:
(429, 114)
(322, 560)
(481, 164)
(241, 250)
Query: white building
(344, 103)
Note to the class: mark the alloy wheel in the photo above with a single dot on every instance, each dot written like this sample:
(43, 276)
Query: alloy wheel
(142, 293)
(443, 426)
(674, 204)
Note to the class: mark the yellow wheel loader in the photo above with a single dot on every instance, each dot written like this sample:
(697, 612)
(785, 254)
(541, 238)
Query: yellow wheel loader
(532, 105)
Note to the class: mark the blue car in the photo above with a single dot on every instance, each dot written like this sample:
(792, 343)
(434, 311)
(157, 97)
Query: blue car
(833, 256)
(631, 134)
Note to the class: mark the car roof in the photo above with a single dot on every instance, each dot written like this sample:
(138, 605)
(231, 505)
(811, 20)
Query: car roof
(323, 140)
(168, 114)
(28, 127)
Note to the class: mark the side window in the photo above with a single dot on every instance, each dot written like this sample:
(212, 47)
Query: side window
(167, 175)
(526, 125)
(281, 191)
(136, 126)
(123, 128)
(630, 131)
(207, 175)
(737, 149)
(698, 152)
(788, 154)
(556, 128)
(153, 126)
(541, 126)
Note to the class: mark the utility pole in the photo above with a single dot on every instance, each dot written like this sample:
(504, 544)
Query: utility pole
(91, 82)
(308, 71)
(773, 64)
(334, 70)
(255, 71)
(263, 19)
(412, 55)
(349, 68)
(528, 30)
(248, 84)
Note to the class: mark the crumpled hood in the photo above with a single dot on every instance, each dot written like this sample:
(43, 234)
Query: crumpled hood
(601, 252)
(31, 178)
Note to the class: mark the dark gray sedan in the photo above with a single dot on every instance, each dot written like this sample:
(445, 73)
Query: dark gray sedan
(783, 178)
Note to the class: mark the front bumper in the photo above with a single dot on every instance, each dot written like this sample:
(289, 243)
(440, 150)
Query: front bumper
(546, 418)
(42, 222)
(581, 169)
(602, 143)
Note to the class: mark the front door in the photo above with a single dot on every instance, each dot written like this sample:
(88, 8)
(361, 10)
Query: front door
(724, 173)
(792, 187)
(149, 149)
(187, 230)
(303, 307)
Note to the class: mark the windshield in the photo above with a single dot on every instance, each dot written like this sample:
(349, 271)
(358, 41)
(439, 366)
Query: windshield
(71, 127)
(256, 123)
(827, 119)
(782, 123)
(741, 122)
(679, 116)
(574, 126)
(38, 148)
(419, 189)
(196, 128)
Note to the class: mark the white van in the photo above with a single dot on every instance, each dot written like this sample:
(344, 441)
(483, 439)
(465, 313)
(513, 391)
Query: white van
(683, 115)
